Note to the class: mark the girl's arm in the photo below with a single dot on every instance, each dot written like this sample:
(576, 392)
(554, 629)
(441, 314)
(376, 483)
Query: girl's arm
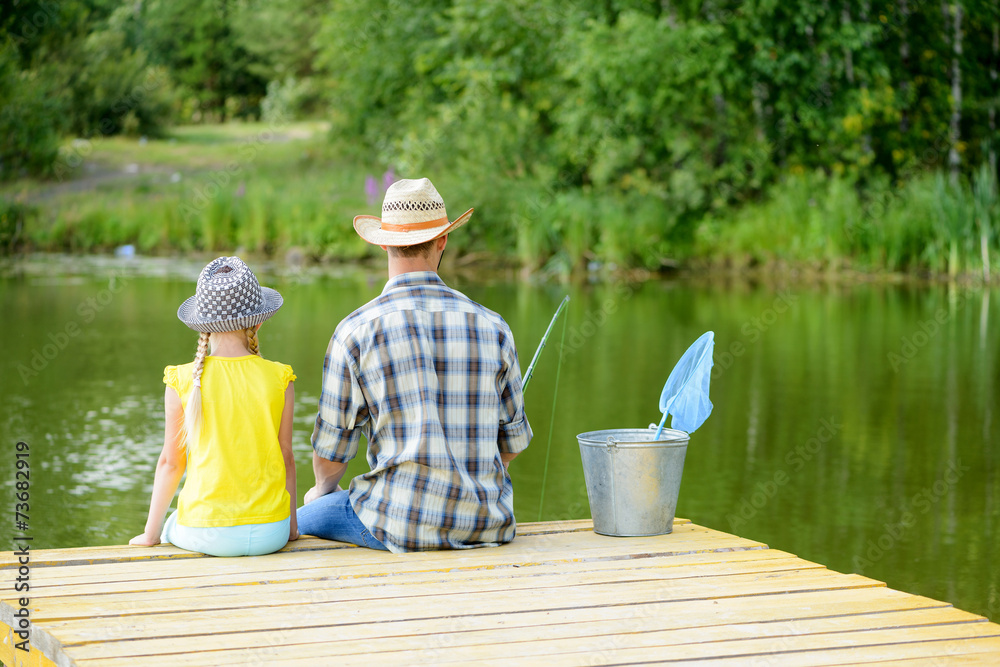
(169, 470)
(285, 440)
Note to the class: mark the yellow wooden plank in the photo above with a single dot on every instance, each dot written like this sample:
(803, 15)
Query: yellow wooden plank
(161, 552)
(572, 525)
(34, 657)
(9, 656)
(974, 651)
(559, 594)
(667, 646)
(526, 645)
(989, 655)
(556, 548)
(334, 606)
(91, 555)
(334, 575)
(236, 595)
(500, 628)
(795, 632)
(202, 586)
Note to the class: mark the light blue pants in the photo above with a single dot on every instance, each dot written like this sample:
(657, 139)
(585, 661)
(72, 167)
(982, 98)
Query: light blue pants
(255, 539)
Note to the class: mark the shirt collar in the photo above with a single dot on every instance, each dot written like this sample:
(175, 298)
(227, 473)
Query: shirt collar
(413, 279)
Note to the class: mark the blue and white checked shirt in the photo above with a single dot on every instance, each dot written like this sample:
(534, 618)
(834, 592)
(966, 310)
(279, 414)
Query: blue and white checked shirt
(431, 379)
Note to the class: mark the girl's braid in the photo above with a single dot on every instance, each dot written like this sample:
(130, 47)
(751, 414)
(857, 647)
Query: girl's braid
(252, 343)
(192, 411)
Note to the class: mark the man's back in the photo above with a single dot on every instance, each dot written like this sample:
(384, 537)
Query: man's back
(431, 378)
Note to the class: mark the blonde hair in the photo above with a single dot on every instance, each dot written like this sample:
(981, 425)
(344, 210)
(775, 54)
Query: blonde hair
(192, 411)
(252, 343)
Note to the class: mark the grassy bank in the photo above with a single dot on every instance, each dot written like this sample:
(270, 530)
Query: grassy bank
(266, 190)
(203, 188)
(926, 225)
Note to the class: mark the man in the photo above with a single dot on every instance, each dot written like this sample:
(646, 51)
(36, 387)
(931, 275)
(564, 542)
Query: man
(431, 379)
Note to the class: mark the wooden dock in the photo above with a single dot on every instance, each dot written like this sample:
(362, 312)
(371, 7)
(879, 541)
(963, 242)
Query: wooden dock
(558, 595)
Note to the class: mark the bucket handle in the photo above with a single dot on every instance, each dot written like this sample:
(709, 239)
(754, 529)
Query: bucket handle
(612, 443)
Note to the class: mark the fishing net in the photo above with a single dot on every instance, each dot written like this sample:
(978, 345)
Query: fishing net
(685, 396)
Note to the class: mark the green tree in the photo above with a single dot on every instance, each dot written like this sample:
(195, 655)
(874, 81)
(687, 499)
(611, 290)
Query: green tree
(30, 119)
(115, 89)
(195, 40)
(280, 38)
(367, 53)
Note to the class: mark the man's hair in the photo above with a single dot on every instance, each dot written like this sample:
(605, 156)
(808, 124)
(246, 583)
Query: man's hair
(419, 250)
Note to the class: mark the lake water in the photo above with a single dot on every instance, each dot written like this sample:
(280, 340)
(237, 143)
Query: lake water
(853, 425)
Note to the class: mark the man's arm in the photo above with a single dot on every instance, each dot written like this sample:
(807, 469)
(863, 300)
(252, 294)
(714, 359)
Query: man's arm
(328, 475)
(515, 432)
(342, 413)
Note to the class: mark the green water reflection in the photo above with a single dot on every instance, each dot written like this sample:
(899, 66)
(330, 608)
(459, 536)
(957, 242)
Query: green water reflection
(853, 426)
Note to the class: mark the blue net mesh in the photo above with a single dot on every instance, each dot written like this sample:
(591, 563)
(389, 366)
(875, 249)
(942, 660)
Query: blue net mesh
(685, 396)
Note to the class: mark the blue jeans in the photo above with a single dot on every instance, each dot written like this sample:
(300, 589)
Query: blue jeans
(331, 517)
(255, 539)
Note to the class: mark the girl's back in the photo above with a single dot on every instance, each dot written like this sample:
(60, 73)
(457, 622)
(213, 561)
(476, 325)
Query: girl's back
(235, 475)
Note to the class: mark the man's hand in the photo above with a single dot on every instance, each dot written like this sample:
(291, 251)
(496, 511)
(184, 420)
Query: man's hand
(311, 495)
(316, 492)
(328, 476)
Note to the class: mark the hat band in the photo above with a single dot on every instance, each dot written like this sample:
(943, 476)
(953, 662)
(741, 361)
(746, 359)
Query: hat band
(416, 226)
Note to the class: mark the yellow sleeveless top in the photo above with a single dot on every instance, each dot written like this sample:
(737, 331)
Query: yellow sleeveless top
(236, 475)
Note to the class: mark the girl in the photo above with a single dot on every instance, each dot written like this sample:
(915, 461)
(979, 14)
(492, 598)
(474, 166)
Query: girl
(229, 424)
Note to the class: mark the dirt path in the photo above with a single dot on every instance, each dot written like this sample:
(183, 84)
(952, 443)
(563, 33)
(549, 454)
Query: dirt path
(94, 173)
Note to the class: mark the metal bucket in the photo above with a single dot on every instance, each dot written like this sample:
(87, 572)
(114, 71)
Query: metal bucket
(632, 480)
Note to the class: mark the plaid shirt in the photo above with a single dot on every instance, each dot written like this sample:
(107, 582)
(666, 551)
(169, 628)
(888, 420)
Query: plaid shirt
(431, 379)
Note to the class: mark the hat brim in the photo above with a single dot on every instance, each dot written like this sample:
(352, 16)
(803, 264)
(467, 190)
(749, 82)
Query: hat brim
(369, 227)
(270, 302)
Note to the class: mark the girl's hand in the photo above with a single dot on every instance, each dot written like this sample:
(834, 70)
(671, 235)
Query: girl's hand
(293, 535)
(144, 540)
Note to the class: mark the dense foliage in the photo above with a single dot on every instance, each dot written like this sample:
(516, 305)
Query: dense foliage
(650, 116)
(624, 130)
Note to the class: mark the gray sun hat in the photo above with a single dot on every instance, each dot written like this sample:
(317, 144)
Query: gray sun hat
(228, 298)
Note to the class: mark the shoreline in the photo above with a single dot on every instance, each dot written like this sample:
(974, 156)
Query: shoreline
(291, 202)
(698, 272)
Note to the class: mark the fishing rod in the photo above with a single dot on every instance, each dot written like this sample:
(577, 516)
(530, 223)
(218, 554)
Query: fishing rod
(534, 359)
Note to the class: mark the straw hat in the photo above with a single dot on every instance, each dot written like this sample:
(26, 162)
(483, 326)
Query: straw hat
(228, 298)
(412, 213)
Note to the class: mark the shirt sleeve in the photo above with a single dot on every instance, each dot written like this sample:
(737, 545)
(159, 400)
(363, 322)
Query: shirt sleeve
(287, 375)
(515, 432)
(343, 409)
(170, 378)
